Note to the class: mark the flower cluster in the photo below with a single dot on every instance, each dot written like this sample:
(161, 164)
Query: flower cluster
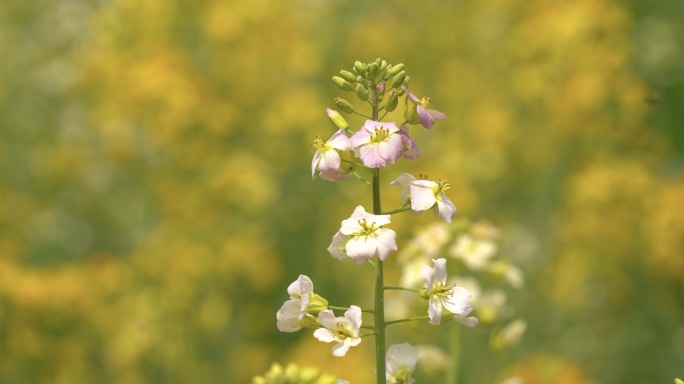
(364, 237)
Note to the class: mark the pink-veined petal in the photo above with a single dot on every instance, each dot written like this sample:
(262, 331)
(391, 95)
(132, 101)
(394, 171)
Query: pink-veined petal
(437, 115)
(329, 161)
(371, 156)
(314, 163)
(425, 118)
(340, 141)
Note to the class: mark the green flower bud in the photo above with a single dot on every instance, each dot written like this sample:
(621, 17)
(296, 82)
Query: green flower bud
(398, 79)
(407, 80)
(316, 304)
(348, 76)
(410, 112)
(362, 92)
(423, 294)
(337, 119)
(395, 69)
(378, 61)
(344, 105)
(309, 321)
(362, 80)
(359, 67)
(374, 69)
(383, 65)
(392, 102)
(342, 83)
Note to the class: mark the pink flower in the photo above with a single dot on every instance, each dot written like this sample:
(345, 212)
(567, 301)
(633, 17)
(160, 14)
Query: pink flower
(326, 160)
(426, 117)
(377, 143)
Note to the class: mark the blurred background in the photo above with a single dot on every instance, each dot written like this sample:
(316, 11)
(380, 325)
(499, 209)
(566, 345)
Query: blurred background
(156, 198)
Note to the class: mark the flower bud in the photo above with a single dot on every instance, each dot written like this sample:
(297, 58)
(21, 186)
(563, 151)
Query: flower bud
(342, 83)
(362, 92)
(348, 76)
(359, 67)
(392, 102)
(344, 105)
(383, 65)
(362, 80)
(337, 119)
(423, 294)
(374, 69)
(309, 321)
(393, 70)
(410, 112)
(316, 305)
(398, 79)
(381, 87)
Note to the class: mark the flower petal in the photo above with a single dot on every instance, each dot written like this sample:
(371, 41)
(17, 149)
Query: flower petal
(327, 318)
(324, 335)
(435, 311)
(425, 118)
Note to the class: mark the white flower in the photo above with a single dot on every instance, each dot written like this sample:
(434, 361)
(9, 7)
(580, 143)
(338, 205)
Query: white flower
(400, 362)
(302, 300)
(475, 253)
(378, 143)
(455, 299)
(362, 237)
(426, 194)
(326, 160)
(343, 330)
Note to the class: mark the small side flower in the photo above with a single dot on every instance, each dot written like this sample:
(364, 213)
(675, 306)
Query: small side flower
(400, 362)
(426, 194)
(343, 330)
(326, 160)
(426, 117)
(303, 304)
(442, 294)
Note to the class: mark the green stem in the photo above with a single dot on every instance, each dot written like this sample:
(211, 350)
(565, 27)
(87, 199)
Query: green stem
(389, 288)
(407, 320)
(455, 351)
(362, 115)
(402, 209)
(379, 275)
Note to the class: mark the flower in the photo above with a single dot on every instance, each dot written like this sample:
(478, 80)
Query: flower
(455, 299)
(361, 237)
(377, 143)
(426, 117)
(343, 330)
(326, 160)
(426, 194)
(400, 362)
(303, 302)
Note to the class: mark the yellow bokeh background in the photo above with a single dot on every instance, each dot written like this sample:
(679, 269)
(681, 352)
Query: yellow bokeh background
(156, 198)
